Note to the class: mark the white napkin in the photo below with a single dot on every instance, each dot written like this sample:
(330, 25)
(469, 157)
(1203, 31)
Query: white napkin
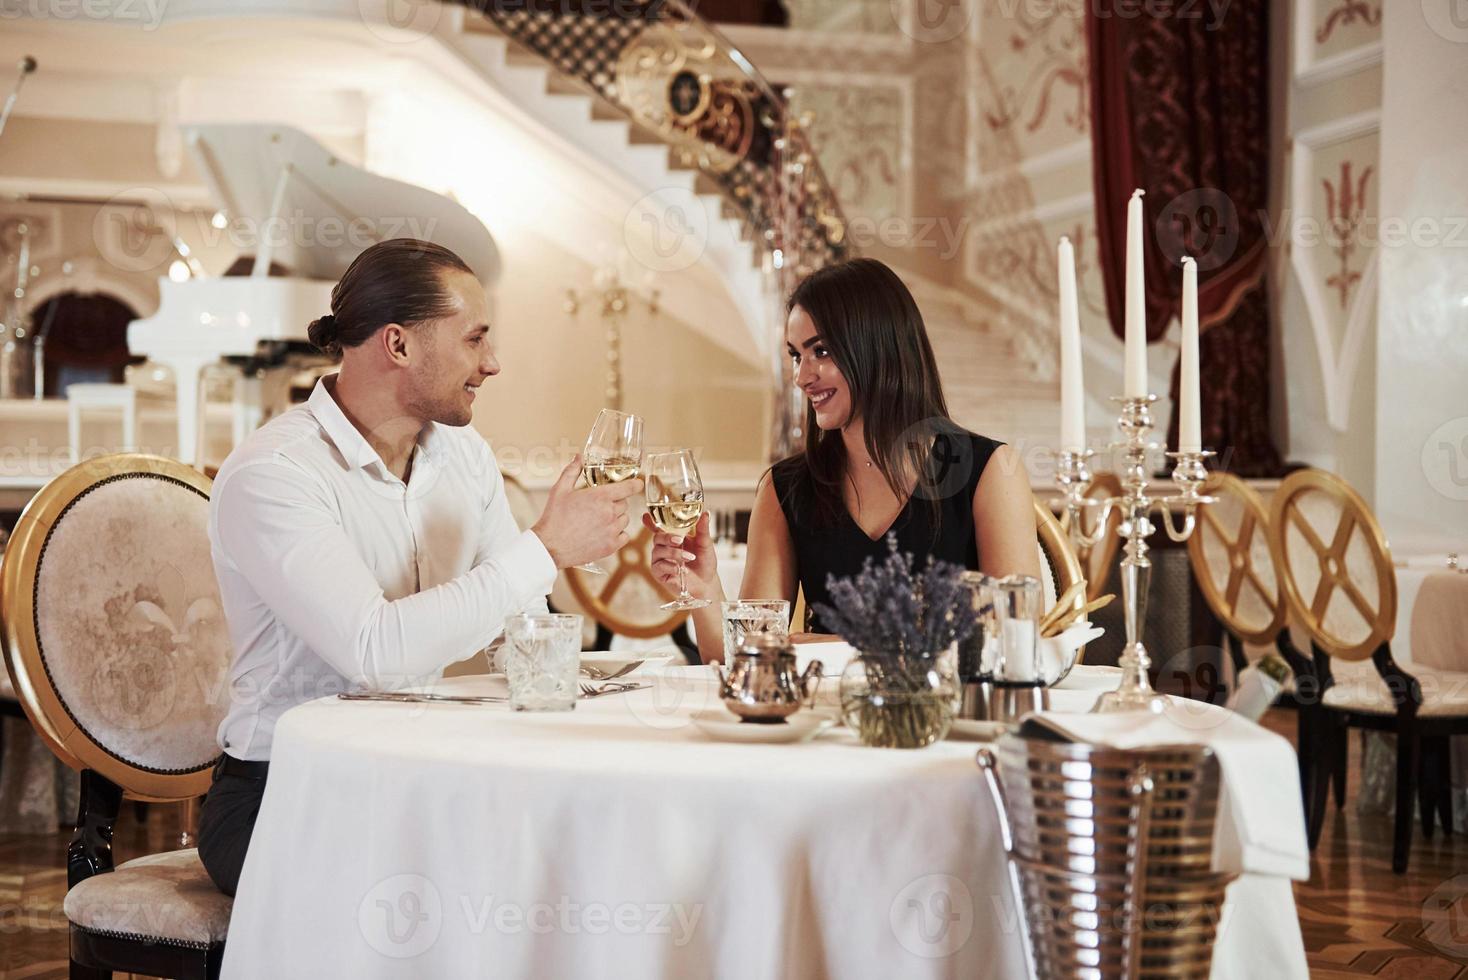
(1055, 653)
(834, 655)
(1261, 819)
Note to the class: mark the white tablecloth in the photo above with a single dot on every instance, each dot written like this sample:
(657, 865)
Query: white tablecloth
(617, 841)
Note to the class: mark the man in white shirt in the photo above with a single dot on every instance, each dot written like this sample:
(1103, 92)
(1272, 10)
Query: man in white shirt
(364, 539)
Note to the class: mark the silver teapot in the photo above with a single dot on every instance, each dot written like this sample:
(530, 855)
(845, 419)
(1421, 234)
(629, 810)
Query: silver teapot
(762, 685)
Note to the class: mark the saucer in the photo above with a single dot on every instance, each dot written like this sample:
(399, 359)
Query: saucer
(973, 730)
(609, 663)
(725, 726)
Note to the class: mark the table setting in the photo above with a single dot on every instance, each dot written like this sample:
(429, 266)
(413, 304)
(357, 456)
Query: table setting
(671, 821)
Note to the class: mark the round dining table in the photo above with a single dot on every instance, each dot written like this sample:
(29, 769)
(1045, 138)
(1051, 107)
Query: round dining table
(619, 840)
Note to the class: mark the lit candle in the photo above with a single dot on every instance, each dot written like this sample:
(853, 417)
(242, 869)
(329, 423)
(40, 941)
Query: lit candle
(1072, 387)
(1190, 426)
(1135, 378)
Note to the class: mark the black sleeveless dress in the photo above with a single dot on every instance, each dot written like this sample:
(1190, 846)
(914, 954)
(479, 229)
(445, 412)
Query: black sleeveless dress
(824, 548)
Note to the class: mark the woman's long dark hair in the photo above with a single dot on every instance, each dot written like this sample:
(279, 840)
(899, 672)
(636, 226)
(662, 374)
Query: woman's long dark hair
(868, 320)
(396, 281)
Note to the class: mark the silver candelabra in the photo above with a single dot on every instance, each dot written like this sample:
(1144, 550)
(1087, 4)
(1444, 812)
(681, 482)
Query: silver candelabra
(1073, 475)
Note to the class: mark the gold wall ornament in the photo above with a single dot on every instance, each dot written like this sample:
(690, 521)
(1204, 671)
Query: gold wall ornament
(614, 301)
(675, 79)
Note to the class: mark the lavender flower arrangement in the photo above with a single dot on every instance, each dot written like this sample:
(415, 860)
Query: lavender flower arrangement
(888, 611)
(895, 694)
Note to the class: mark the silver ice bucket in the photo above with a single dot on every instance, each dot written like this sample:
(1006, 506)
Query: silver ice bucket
(1112, 853)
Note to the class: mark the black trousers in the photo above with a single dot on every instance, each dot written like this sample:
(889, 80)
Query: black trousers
(227, 819)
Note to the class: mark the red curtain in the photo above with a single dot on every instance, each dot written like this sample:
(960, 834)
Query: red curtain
(1180, 108)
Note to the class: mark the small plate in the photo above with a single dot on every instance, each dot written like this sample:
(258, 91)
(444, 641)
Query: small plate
(610, 663)
(717, 723)
(972, 730)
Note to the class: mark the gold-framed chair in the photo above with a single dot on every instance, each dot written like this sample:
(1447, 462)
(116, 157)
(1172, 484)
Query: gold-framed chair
(1336, 571)
(1236, 574)
(116, 641)
(625, 601)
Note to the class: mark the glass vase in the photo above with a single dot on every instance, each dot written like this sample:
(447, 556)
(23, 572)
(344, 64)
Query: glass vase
(900, 702)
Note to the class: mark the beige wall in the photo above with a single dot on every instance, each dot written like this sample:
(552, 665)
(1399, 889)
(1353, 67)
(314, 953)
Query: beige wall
(1422, 349)
(540, 408)
(691, 390)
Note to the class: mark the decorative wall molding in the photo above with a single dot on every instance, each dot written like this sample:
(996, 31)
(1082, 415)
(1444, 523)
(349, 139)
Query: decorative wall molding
(904, 86)
(1338, 364)
(1310, 71)
(89, 276)
(1341, 65)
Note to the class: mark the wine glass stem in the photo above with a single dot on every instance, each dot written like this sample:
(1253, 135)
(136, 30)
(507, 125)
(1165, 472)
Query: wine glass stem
(682, 580)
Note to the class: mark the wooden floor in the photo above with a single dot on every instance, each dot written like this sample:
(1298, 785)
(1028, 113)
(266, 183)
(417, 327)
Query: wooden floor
(1358, 919)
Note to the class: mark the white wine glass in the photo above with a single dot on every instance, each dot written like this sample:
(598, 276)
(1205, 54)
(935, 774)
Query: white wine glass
(675, 501)
(613, 453)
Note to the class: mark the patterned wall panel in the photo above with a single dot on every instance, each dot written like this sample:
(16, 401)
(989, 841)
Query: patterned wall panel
(1333, 235)
(1032, 85)
(862, 134)
(1340, 25)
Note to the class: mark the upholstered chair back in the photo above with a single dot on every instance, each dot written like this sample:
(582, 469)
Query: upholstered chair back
(115, 633)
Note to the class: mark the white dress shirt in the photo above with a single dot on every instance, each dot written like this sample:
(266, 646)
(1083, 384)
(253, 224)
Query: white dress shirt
(335, 575)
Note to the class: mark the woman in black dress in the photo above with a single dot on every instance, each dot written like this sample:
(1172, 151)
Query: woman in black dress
(881, 454)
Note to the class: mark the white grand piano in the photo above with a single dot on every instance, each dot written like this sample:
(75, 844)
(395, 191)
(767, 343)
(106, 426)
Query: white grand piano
(307, 211)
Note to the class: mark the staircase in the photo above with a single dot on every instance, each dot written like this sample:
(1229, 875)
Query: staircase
(654, 99)
(994, 385)
(590, 125)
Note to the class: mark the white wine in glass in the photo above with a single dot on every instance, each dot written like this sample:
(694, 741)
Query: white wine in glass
(613, 453)
(675, 501)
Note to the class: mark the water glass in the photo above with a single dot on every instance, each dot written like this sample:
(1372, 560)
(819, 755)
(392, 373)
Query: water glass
(745, 616)
(1018, 603)
(543, 661)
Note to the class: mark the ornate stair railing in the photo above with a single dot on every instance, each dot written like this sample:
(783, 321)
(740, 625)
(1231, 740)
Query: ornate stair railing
(672, 73)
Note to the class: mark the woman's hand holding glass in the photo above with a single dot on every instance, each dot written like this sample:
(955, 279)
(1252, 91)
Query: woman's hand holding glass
(701, 571)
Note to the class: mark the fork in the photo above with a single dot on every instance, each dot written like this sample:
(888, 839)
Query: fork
(589, 691)
(597, 674)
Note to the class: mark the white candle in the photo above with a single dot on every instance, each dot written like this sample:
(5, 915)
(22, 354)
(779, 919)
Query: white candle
(1072, 387)
(1135, 378)
(1190, 425)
